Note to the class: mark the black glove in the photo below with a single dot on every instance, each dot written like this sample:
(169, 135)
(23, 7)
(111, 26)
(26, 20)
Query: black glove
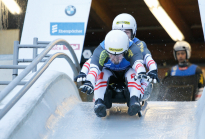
(153, 76)
(141, 75)
(87, 87)
(81, 77)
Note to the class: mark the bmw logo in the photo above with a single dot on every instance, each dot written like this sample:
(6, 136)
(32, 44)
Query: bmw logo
(70, 10)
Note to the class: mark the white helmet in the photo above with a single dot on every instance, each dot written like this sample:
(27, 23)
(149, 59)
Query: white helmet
(125, 21)
(182, 46)
(116, 42)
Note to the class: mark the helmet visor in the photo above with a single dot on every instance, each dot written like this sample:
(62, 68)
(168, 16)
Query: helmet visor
(116, 59)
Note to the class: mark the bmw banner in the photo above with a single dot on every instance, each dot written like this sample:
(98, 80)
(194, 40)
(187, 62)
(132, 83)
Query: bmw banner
(49, 20)
(70, 10)
(202, 13)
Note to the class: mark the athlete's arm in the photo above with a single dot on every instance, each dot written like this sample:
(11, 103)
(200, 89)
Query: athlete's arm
(200, 79)
(168, 73)
(98, 59)
(143, 48)
(96, 66)
(84, 71)
(148, 61)
(134, 56)
(86, 66)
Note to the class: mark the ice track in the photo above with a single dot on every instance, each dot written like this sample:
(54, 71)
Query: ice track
(52, 109)
(160, 120)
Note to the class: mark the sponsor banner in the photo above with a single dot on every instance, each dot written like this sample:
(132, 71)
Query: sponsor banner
(202, 14)
(74, 46)
(63, 47)
(70, 10)
(63, 19)
(67, 28)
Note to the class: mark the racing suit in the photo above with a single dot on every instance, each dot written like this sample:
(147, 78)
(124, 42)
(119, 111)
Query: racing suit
(188, 69)
(101, 69)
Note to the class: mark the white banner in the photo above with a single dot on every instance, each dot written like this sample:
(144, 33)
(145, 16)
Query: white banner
(51, 19)
(202, 13)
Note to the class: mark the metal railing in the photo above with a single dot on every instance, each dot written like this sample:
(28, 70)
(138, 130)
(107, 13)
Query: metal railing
(33, 67)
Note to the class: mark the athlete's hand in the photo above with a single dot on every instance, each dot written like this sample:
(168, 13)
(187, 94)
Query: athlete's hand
(80, 77)
(153, 76)
(87, 87)
(141, 75)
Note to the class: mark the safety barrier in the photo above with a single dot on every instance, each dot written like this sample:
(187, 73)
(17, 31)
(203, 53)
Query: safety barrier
(33, 67)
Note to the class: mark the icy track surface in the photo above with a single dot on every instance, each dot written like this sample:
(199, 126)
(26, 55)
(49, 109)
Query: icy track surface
(160, 120)
(52, 109)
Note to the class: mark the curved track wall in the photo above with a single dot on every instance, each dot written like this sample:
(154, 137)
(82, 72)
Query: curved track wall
(37, 112)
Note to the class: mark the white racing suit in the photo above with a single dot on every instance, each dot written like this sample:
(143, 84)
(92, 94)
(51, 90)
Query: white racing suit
(98, 74)
(146, 87)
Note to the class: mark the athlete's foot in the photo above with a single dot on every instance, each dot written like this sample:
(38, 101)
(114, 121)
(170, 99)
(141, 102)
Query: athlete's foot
(100, 108)
(134, 106)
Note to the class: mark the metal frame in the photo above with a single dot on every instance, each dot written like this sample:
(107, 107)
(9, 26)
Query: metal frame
(36, 44)
(33, 67)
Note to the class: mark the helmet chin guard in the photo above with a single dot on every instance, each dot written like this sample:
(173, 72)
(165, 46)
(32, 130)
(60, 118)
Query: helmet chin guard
(116, 42)
(125, 21)
(182, 46)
